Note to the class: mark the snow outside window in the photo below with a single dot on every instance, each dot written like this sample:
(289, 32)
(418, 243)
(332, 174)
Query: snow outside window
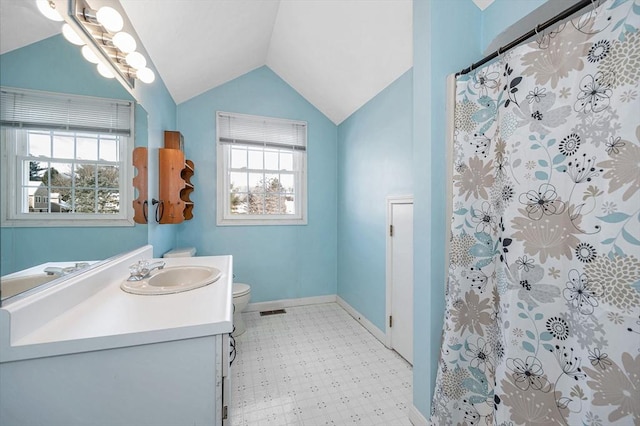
(261, 170)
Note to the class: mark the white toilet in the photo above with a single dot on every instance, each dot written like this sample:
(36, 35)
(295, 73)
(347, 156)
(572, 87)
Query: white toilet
(241, 297)
(181, 252)
(241, 292)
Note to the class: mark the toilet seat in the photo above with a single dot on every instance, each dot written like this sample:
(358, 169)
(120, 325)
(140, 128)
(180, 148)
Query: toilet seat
(240, 289)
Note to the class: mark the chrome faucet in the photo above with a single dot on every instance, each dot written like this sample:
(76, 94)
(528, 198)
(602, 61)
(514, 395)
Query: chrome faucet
(141, 270)
(56, 270)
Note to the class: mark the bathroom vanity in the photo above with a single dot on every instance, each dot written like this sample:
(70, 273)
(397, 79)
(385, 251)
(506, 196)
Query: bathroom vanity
(86, 352)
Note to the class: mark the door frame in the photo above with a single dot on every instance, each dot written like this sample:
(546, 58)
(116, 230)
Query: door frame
(391, 200)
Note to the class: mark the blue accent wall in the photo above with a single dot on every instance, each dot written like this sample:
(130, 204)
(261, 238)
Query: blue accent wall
(279, 262)
(374, 162)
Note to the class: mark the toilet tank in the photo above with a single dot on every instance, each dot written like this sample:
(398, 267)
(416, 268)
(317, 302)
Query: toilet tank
(181, 252)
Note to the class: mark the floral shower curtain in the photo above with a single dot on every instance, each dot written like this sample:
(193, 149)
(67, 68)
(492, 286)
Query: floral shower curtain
(542, 322)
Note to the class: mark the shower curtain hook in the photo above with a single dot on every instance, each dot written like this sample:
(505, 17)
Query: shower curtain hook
(539, 35)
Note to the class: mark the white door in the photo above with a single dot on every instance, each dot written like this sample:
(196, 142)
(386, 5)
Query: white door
(400, 278)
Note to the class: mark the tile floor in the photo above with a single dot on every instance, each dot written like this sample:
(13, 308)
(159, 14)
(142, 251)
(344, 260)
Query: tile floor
(316, 365)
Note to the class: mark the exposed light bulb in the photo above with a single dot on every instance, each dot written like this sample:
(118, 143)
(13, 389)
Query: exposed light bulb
(89, 55)
(109, 18)
(105, 71)
(146, 75)
(47, 8)
(136, 60)
(71, 35)
(125, 42)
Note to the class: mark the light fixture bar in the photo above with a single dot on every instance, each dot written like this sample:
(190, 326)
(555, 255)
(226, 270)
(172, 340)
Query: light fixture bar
(100, 40)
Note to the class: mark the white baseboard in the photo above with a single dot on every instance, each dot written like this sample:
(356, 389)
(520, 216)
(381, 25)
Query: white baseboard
(362, 320)
(416, 418)
(332, 298)
(288, 303)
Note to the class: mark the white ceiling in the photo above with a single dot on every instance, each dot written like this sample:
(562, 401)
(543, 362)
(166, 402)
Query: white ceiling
(338, 54)
(22, 24)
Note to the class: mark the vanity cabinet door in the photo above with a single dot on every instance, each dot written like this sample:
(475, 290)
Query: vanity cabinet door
(226, 382)
(223, 385)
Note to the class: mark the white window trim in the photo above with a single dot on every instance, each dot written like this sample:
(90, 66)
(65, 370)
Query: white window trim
(11, 217)
(223, 215)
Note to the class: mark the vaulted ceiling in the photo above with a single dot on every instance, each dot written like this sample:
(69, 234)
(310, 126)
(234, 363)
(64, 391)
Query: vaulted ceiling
(337, 54)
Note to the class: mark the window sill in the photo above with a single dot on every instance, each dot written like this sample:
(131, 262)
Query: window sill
(260, 222)
(68, 223)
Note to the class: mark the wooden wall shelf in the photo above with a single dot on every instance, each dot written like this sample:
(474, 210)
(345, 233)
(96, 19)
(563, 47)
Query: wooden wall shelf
(141, 184)
(175, 180)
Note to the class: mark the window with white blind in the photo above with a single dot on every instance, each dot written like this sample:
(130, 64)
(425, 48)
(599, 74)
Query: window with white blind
(65, 159)
(261, 170)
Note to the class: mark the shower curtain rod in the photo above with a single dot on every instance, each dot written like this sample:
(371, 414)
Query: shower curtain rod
(540, 27)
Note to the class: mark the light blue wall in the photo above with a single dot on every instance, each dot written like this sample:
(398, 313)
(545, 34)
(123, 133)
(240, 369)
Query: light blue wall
(55, 65)
(374, 161)
(446, 39)
(422, 300)
(162, 111)
(448, 36)
(279, 262)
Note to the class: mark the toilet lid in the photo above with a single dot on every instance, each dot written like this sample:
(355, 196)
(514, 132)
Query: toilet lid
(240, 289)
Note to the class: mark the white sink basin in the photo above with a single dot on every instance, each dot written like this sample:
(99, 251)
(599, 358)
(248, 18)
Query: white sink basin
(174, 279)
(12, 286)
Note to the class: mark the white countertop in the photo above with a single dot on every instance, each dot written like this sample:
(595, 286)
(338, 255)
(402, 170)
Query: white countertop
(39, 269)
(109, 317)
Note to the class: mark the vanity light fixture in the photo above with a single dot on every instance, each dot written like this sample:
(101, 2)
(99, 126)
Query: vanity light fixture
(105, 71)
(71, 36)
(146, 75)
(102, 39)
(125, 42)
(88, 54)
(109, 18)
(48, 9)
(136, 60)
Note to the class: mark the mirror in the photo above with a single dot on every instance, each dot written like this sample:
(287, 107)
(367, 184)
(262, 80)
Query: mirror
(35, 56)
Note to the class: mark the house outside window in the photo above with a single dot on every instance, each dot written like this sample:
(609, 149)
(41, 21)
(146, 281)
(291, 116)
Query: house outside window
(65, 172)
(261, 163)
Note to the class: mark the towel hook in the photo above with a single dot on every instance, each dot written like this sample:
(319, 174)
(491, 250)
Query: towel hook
(159, 209)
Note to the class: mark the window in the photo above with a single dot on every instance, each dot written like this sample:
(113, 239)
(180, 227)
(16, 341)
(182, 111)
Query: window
(261, 170)
(66, 159)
